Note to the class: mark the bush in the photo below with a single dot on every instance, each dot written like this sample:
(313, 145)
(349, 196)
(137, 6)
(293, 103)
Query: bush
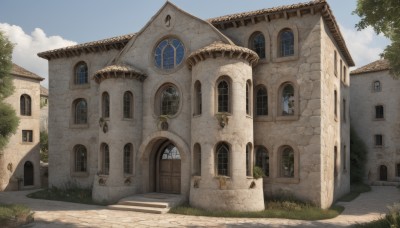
(258, 172)
(358, 157)
(390, 220)
(15, 215)
(44, 146)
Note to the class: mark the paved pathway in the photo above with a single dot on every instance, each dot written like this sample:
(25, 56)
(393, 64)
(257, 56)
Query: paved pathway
(367, 207)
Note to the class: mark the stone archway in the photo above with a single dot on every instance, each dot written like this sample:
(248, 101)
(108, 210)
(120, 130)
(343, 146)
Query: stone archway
(150, 153)
(383, 173)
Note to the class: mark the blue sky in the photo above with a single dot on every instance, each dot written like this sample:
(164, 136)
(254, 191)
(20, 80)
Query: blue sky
(41, 25)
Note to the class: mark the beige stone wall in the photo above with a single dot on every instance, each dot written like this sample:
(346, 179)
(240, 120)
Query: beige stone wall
(334, 128)
(17, 152)
(366, 126)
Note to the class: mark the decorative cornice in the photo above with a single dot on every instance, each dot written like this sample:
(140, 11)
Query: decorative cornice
(219, 49)
(118, 71)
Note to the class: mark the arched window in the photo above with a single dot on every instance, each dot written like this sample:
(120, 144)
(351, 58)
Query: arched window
(80, 112)
(197, 159)
(248, 97)
(105, 161)
(287, 162)
(248, 159)
(128, 159)
(128, 105)
(335, 103)
(223, 96)
(25, 105)
(80, 153)
(377, 86)
(81, 73)
(169, 100)
(262, 160)
(288, 100)
(257, 44)
(106, 105)
(198, 98)
(169, 53)
(286, 42)
(222, 159)
(262, 101)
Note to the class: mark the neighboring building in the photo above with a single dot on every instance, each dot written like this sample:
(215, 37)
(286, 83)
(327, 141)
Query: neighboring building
(44, 109)
(189, 106)
(20, 159)
(375, 118)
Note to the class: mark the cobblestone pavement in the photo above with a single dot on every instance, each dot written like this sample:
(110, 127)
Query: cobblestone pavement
(367, 207)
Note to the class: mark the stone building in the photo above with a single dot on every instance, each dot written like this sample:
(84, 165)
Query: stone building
(374, 116)
(44, 109)
(20, 160)
(190, 106)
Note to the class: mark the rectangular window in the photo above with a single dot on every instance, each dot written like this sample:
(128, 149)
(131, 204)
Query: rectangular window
(344, 157)
(341, 73)
(344, 110)
(335, 63)
(335, 103)
(398, 170)
(27, 136)
(344, 74)
(379, 112)
(378, 140)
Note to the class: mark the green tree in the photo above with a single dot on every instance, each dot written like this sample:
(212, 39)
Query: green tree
(8, 118)
(44, 146)
(358, 157)
(384, 17)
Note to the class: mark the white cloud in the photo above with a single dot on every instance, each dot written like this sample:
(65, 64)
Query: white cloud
(363, 45)
(28, 45)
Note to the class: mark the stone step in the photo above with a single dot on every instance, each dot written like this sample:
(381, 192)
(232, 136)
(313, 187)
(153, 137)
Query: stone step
(152, 210)
(143, 204)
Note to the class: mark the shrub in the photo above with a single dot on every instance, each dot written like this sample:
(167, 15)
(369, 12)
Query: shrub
(258, 172)
(358, 157)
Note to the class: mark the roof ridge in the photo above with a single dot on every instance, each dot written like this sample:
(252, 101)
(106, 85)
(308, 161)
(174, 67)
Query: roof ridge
(375, 66)
(22, 72)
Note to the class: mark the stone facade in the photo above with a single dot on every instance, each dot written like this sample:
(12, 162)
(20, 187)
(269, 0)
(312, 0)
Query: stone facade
(218, 144)
(44, 109)
(377, 116)
(21, 159)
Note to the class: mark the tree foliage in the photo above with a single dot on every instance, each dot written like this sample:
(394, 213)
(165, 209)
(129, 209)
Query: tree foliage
(44, 146)
(384, 17)
(8, 118)
(358, 157)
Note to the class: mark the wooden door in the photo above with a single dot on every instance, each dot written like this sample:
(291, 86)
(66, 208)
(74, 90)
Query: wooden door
(28, 173)
(383, 173)
(169, 175)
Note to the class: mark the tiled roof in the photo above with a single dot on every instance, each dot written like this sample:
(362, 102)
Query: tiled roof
(379, 65)
(117, 42)
(295, 10)
(22, 72)
(120, 70)
(44, 91)
(221, 49)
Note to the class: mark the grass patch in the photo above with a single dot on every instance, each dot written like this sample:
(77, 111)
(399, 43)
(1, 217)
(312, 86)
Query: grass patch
(70, 194)
(355, 190)
(15, 215)
(391, 220)
(273, 209)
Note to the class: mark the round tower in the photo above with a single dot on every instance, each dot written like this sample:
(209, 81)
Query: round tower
(222, 129)
(120, 126)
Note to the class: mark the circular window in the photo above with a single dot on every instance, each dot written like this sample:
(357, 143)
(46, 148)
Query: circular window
(169, 53)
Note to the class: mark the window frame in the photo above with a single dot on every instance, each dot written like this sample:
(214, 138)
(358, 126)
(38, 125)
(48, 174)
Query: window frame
(267, 162)
(376, 88)
(196, 160)
(127, 106)
(25, 105)
(379, 113)
(227, 80)
(78, 75)
(105, 105)
(105, 159)
(27, 136)
(281, 45)
(280, 115)
(378, 140)
(169, 40)
(77, 120)
(249, 98)
(218, 148)
(128, 162)
(261, 48)
(264, 101)
(198, 99)
(84, 163)
(158, 100)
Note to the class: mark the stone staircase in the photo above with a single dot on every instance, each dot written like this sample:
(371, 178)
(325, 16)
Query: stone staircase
(156, 203)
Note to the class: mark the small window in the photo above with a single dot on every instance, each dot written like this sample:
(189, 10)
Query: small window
(262, 160)
(222, 159)
(377, 86)
(80, 111)
(335, 63)
(81, 74)
(105, 162)
(340, 69)
(378, 140)
(27, 136)
(379, 114)
(106, 105)
(344, 110)
(286, 43)
(288, 101)
(335, 103)
(344, 157)
(335, 162)
(197, 160)
(262, 101)
(198, 98)
(80, 153)
(25, 105)
(128, 159)
(248, 159)
(223, 96)
(287, 162)
(169, 53)
(128, 105)
(344, 74)
(248, 97)
(398, 170)
(257, 44)
(170, 152)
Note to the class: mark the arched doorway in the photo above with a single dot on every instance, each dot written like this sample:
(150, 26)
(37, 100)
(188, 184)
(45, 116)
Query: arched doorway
(28, 173)
(383, 173)
(168, 165)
